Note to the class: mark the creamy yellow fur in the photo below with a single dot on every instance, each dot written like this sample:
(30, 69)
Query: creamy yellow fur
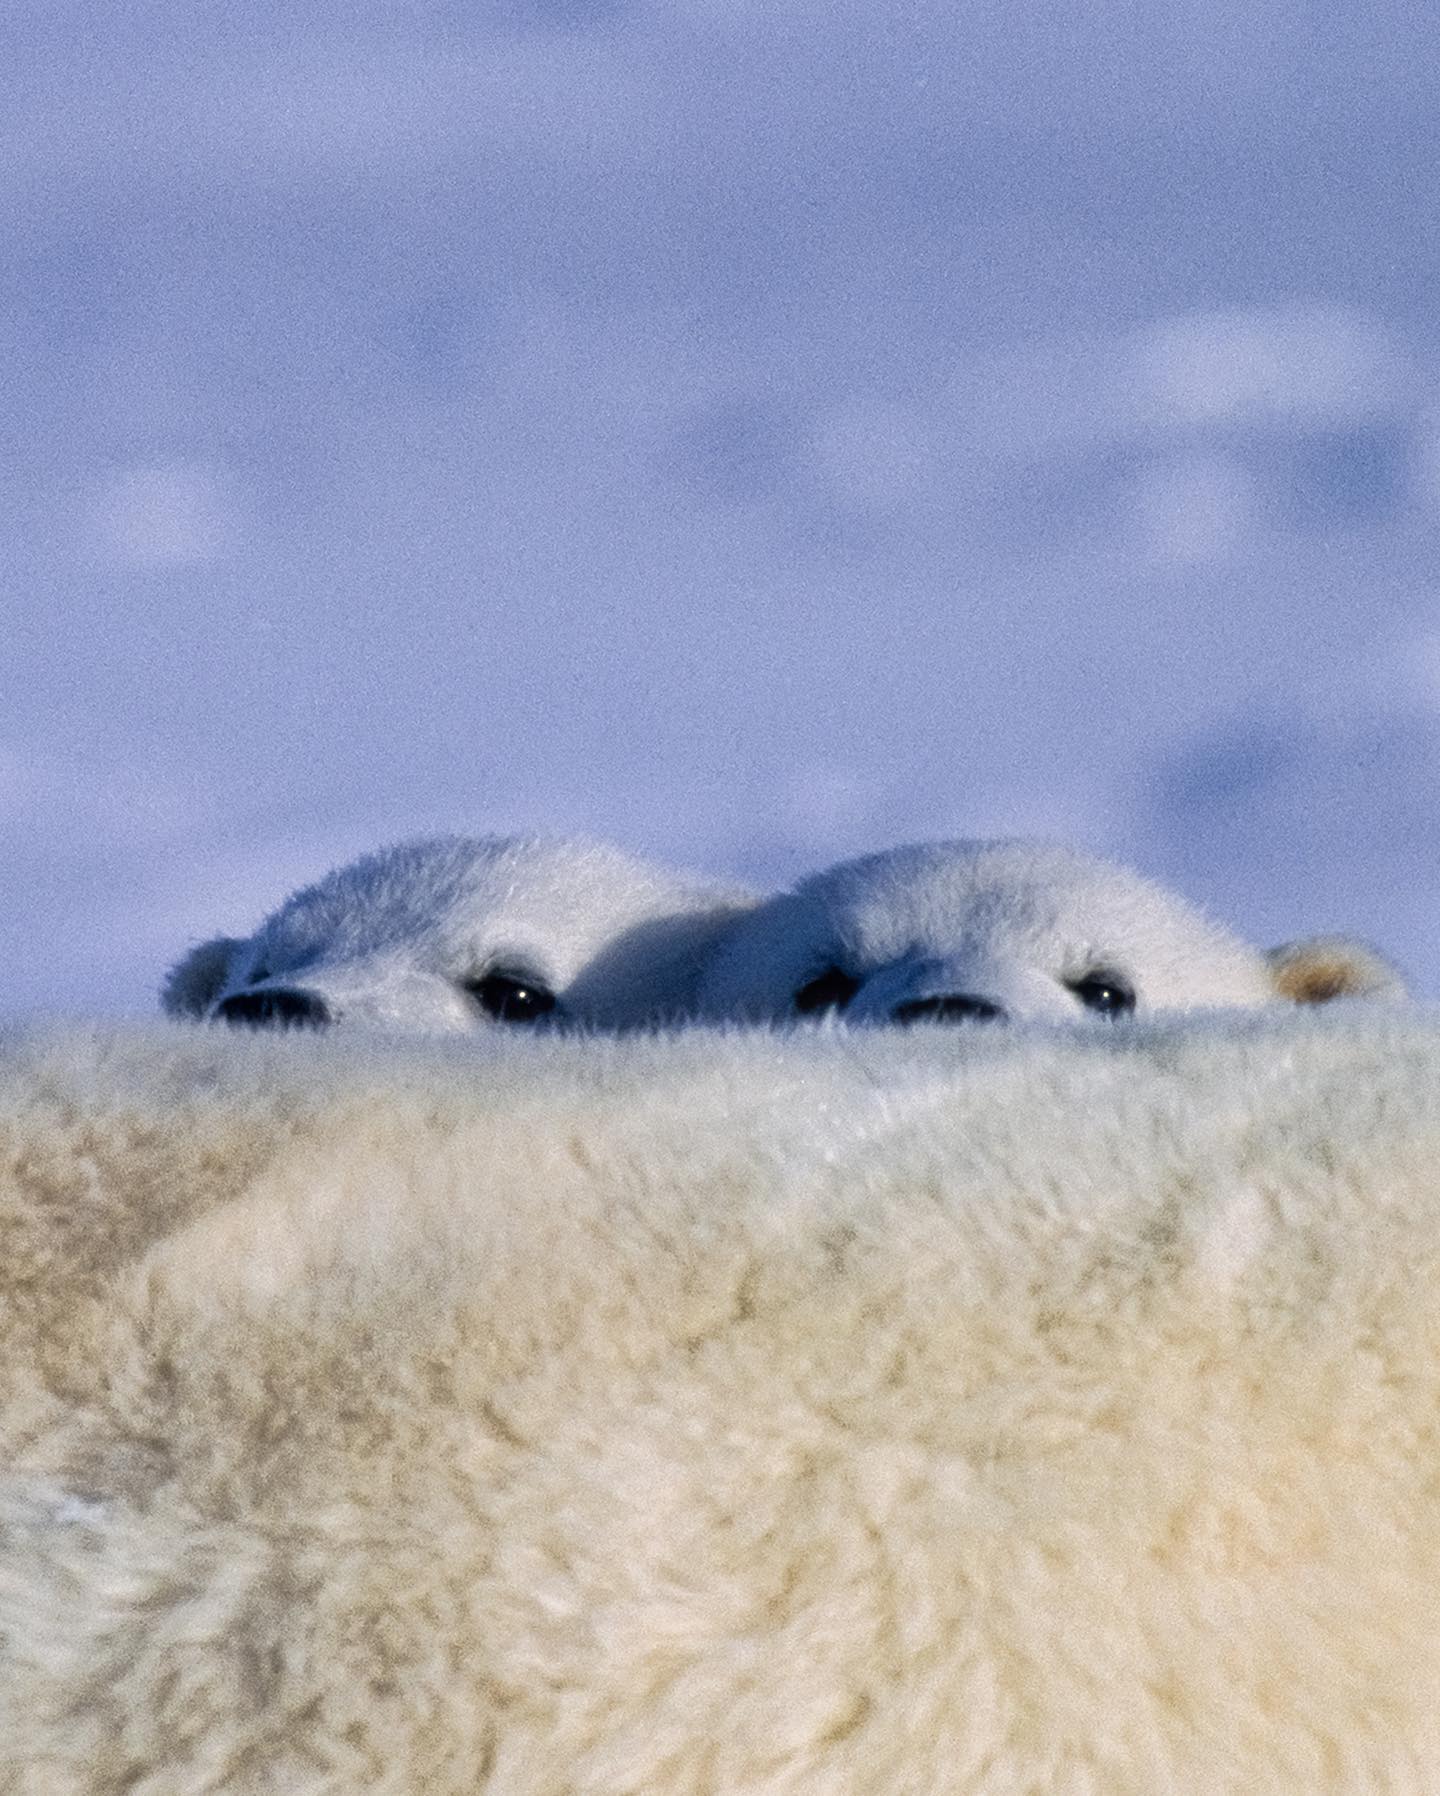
(957, 1411)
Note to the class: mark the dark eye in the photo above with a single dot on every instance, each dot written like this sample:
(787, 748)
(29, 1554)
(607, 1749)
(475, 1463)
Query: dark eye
(511, 999)
(259, 976)
(1106, 993)
(830, 990)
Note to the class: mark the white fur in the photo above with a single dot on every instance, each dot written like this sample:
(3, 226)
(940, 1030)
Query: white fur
(391, 940)
(1012, 924)
(823, 1413)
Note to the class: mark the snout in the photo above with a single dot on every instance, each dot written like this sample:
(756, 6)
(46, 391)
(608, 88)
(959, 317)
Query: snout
(948, 1007)
(277, 1007)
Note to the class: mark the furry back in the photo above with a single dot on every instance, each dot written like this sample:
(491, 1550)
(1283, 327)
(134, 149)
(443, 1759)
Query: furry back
(835, 1414)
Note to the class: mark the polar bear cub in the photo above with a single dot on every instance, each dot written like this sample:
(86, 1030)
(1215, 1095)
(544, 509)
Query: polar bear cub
(990, 930)
(452, 933)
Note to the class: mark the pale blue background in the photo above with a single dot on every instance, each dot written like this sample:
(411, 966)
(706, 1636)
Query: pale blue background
(756, 432)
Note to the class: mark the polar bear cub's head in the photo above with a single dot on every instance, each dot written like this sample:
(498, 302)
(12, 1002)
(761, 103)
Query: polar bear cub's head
(452, 933)
(990, 930)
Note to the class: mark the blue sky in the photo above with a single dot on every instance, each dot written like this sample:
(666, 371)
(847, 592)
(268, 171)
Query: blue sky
(756, 433)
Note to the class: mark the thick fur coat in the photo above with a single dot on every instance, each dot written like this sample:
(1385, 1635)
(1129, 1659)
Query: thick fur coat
(838, 1413)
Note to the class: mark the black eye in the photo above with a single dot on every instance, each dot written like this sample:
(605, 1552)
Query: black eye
(511, 999)
(1106, 993)
(259, 976)
(830, 990)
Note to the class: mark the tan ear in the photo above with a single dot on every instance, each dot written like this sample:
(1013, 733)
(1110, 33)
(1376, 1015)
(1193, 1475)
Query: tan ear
(193, 984)
(1323, 967)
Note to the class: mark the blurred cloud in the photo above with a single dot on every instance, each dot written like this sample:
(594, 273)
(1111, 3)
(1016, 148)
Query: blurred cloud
(322, 106)
(166, 515)
(1294, 365)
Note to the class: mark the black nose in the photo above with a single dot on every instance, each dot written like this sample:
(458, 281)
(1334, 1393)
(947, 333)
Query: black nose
(952, 1008)
(274, 1009)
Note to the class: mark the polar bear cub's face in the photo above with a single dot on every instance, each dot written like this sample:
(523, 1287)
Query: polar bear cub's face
(984, 931)
(453, 934)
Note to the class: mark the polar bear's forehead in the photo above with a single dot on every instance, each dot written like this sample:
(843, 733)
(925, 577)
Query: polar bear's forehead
(1009, 896)
(457, 900)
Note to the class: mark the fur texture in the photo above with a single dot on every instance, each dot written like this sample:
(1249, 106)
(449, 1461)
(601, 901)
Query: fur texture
(1025, 931)
(974, 1413)
(440, 934)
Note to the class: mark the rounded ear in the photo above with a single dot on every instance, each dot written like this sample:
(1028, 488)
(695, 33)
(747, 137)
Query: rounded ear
(193, 984)
(1323, 967)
